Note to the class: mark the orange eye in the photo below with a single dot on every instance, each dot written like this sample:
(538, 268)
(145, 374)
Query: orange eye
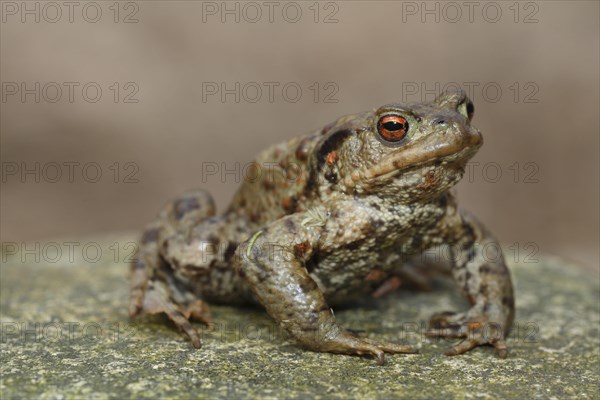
(392, 128)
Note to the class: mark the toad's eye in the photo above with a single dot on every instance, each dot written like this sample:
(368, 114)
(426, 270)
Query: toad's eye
(470, 110)
(392, 128)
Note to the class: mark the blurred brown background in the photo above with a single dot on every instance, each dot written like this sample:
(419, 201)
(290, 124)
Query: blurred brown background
(532, 70)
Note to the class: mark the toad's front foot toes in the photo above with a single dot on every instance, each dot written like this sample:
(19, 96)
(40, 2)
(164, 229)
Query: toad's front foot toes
(475, 331)
(348, 343)
(471, 343)
(392, 348)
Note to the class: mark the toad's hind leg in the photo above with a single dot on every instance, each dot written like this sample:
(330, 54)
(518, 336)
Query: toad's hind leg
(154, 288)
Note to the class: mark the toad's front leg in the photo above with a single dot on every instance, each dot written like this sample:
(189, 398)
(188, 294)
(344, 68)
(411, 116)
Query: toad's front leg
(273, 263)
(485, 280)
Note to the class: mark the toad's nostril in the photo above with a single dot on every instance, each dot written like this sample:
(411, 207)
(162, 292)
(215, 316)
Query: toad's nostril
(440, 121)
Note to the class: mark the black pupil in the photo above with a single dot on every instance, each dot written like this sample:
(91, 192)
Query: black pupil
(470, 108)
(393, 126)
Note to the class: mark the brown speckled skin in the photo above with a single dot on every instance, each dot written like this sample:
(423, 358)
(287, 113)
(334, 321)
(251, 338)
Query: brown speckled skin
(330, 216)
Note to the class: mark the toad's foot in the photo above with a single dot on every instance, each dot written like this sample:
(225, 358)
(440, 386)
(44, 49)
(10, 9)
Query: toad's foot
(156, 301)
(346, 342)
(475, 330)
(155, 287)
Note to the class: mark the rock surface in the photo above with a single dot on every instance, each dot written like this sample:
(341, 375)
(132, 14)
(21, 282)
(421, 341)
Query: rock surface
(66, 334)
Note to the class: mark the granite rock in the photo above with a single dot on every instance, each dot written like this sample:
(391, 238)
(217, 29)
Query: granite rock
(66, 334)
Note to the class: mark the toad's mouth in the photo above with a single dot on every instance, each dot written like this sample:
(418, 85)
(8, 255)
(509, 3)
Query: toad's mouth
(456, 151)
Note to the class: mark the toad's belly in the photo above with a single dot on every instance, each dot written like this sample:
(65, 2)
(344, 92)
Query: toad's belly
(350, 274)
(347, 276)
(342, 276)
